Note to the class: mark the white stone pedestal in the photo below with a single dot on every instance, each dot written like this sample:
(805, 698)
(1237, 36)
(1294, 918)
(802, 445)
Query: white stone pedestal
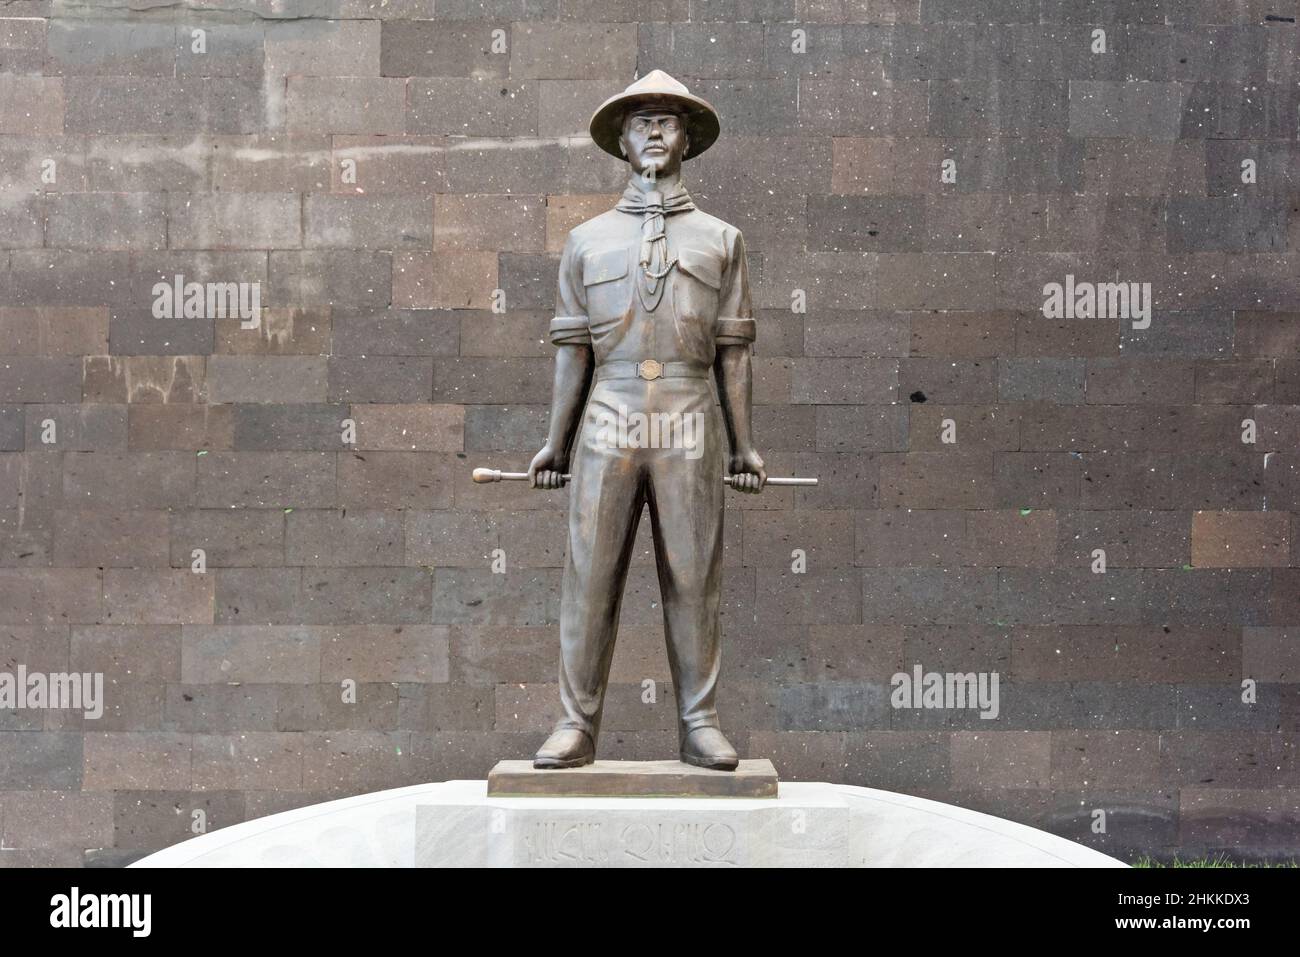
(806, 825)
(809, 829)
(456, 823)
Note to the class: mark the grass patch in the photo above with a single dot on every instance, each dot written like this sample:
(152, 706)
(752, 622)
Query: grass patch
(1218, 860)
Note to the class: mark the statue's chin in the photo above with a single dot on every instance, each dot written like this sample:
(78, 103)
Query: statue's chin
(653, 167)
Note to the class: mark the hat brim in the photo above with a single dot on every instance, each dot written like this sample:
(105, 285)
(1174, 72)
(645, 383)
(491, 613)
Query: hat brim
(701, 119)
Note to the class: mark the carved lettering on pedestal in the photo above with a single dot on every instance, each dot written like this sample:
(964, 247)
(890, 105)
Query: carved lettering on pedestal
(679, 843)
(562, 842)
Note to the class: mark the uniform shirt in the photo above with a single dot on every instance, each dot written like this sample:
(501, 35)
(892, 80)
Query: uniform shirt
(705, 302)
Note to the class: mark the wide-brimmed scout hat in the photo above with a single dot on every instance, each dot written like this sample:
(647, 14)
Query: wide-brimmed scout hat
(656, 89)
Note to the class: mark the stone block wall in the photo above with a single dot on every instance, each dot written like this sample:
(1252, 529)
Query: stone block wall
(395, 179)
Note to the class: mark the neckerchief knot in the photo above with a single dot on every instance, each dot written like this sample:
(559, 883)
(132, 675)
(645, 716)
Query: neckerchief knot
(654, 205)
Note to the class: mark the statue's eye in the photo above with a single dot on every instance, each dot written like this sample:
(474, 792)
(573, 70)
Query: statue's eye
(640, 125)
(670, 125)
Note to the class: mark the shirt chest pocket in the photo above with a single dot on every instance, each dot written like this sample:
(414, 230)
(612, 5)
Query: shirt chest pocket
(696, 288)
(604, 279)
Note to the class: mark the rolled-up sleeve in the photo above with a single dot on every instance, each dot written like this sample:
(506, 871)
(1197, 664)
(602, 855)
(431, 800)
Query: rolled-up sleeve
(570, 325)
(735, 325)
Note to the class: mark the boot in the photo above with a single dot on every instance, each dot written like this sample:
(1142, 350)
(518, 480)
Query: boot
(566, 748)
(707, 748)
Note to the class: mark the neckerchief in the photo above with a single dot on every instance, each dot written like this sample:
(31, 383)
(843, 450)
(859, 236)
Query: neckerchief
(654, 206)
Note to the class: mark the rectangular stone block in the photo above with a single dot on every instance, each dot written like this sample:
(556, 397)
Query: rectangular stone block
(574, 50)
(293, 331)
(386, 379)
(48, 819)
(385, 653)
(238, 538)
(177, 427)
(348, 104)
(53, 331)
(1240, 539)
(469, 106)
(129, 479)
(160, 105)
(41, 760)
(127, 652)
(230, 49)
(31, 105)
(105, 48)
(265, 480)
(22, 44)
(151, 820)
(139, 760)
(441, 48)
(40, 379)
(273, 162)
(1229, 223)
(622, 832)
(1139, 110)
(270, 427)
(368, 222)
(324, 538)
(947, 595)
(249, 760)
(489, 222)
(323, 48)
(144, 379)
(242, 220)
(140, 596)
(267, 379)
(356, 278)
(110, 538)
(754, 778)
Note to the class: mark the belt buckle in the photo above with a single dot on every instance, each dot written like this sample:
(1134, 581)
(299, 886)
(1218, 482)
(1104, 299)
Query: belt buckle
(649, 369)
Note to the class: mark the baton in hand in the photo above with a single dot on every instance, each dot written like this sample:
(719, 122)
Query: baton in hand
(496, 475)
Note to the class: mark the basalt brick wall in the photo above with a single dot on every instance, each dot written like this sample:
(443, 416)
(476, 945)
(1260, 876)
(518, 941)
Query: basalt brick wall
(393, 173)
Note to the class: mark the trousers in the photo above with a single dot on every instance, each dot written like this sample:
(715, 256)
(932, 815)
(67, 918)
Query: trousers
(622, 465)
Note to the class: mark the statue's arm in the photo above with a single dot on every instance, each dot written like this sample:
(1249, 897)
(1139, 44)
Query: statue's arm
(574, 365)
(734, 369)
(573, 368)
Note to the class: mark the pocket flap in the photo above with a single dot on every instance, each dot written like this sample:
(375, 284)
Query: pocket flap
(706, 267)
(604, 266)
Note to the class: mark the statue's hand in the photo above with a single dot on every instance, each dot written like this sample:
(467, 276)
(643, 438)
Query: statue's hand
(547, 469)
(747, 467)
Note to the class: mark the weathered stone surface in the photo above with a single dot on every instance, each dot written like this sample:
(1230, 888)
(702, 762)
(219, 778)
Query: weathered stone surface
(454, 824)
(397, 181)
(756, 778)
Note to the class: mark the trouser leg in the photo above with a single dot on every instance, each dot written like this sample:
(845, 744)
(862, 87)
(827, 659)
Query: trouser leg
(685, 494)
(606, 498)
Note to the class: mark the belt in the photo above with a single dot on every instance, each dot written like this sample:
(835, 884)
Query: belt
(651, 369)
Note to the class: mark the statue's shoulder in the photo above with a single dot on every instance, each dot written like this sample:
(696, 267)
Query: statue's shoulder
(709, 225)
(609, 226)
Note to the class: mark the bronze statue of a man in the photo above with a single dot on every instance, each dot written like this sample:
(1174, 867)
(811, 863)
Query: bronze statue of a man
(652, 304)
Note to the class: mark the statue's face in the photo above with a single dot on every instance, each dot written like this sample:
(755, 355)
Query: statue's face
(654, 142)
